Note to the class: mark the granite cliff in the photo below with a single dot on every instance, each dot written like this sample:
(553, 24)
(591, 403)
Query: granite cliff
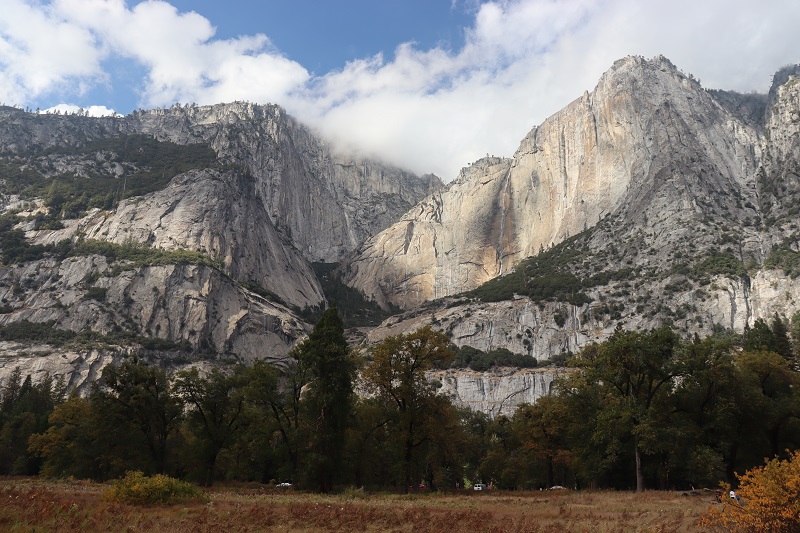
(648, 200)
(185, 233)
(648, 140)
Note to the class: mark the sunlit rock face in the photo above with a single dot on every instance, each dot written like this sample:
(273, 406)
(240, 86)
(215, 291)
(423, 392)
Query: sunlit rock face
(641, 140)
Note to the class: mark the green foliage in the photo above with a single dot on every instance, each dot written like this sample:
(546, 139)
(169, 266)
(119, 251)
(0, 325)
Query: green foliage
(16, 249)
(139, 255)
(772, 337)
(13, 244)
(137, 489)
(216, 403)
(47, 333)
(717, 263)
(785, 259)
(412, 411)
(96, 293)
(478, 360)
(631, 374)
(140, 395)
(329, 397)
(24, 410)
(75, 443)
(150, 165)
(553, 275)
(43, 332)
(642, 408)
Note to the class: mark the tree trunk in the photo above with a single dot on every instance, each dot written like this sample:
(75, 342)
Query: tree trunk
(730, 462)
(210, 464)
(639, 474)
(407, 459)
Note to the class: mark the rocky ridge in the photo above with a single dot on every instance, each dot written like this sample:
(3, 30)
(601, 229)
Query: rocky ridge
(209, 253)
(646, 201)
(647, 139)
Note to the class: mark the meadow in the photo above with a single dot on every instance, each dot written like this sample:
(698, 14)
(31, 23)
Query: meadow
(28, 504)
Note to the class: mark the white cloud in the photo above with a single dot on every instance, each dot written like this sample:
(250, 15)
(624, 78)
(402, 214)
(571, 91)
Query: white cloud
(428, 110)
(40, 52)
(72, 109)
(185, 62)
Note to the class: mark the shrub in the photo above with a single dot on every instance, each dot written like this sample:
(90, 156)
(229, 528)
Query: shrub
(770, 500)
(137, 489)
(717, 264)
(96, 293)
(784, 258)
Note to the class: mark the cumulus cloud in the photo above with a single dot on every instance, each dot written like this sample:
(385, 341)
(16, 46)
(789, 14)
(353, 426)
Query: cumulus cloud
(425, 109)
(183, 60)
(41, 52)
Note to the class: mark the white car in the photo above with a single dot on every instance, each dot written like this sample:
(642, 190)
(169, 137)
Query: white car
(479, 486)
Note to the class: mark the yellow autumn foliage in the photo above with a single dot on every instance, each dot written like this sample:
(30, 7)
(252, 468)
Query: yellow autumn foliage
(137, 489)
(769, 500)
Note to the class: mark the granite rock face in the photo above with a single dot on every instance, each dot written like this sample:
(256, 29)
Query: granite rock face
(640, 142)
(271, 199)
(325, 204)
(180, 302)
(667, 202)
(497, 392)
(670, 204)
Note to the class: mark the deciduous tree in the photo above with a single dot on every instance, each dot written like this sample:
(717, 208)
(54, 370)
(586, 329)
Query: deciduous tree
(396, 375)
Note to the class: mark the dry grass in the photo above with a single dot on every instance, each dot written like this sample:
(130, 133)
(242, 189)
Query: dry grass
(35, 505)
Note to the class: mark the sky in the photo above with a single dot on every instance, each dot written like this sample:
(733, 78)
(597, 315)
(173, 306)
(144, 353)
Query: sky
(428, 85)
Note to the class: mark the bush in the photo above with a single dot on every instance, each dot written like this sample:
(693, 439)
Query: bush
(717, 264)
(784, 258)
(96, 293)
(137, 489)
(770, 500)
(480, 361)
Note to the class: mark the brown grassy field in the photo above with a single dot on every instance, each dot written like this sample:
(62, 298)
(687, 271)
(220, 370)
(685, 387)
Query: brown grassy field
(36, 505)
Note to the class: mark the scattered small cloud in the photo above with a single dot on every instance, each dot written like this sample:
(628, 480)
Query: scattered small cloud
(427, 110)
(72, 109)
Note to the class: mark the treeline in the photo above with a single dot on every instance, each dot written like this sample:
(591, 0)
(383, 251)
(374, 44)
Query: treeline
(640, 410)
(480, 361)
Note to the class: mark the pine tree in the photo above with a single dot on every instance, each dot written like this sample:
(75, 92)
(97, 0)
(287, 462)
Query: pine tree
(781, 344)
(328, 403)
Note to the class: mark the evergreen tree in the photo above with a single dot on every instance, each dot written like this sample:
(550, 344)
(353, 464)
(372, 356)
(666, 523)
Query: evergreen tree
(327, 405)
(141, 395)
(780, 333)
(759, 337)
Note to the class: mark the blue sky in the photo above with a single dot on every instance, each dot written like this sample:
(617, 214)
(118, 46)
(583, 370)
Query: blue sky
(324, 35)
(427, 85)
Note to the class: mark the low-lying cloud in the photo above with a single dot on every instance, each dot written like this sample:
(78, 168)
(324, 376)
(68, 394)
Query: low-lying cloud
(429, 110)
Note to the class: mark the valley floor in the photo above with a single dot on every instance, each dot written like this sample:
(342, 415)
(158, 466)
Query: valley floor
(36, 505)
